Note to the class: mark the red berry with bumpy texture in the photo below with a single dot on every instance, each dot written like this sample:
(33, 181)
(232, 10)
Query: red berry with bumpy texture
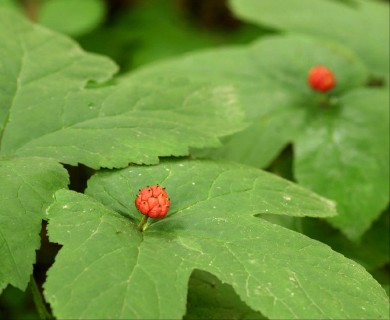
(321, 79)
(153, 202)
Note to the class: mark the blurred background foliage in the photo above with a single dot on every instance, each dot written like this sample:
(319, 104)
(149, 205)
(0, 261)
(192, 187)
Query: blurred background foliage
(137, 32)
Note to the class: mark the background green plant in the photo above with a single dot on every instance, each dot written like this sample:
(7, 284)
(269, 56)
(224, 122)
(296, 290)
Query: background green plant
(248, 104)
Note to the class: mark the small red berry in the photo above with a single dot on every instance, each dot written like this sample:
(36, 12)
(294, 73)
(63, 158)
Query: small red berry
(321, 79)
(153, 202)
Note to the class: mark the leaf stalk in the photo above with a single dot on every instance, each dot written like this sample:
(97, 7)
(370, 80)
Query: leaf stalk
(142, 223)
(44, 314)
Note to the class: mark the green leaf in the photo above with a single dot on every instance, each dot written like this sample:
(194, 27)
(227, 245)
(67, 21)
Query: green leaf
(51, 112)
(349, 145)
(371, 251)
(363, 26)
(27, 186)
(209, 298)
(72, 17)
(108, 269)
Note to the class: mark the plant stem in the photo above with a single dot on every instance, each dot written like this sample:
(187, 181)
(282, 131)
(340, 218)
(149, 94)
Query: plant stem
(142, 223)
(44, 314)
(324, 100)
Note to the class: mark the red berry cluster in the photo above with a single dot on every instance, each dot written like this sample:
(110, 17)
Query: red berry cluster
(153, 201)
(321, 79)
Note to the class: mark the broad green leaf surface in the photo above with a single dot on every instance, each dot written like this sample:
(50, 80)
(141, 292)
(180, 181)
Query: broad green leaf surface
(209, 298)
(108, 269)
(73, 17)
(362, 25)
(344, 145)
(348, 144)
(371, 251)
(27, 186)
(49, 110)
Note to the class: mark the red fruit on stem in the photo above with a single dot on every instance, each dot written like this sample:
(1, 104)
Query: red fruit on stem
(321, 79)
(153, 202)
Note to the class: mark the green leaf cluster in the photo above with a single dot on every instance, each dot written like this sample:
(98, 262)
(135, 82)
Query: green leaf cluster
(202, 126)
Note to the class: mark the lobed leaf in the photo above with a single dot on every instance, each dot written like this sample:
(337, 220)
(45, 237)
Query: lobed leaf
(57, 106)
(27, 186)
(111, 270)
(347, 145)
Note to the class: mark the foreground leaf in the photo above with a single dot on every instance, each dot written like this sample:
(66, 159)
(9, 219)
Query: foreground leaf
(50, 111)
(27, 186)
(108, 269)
(344, 22)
